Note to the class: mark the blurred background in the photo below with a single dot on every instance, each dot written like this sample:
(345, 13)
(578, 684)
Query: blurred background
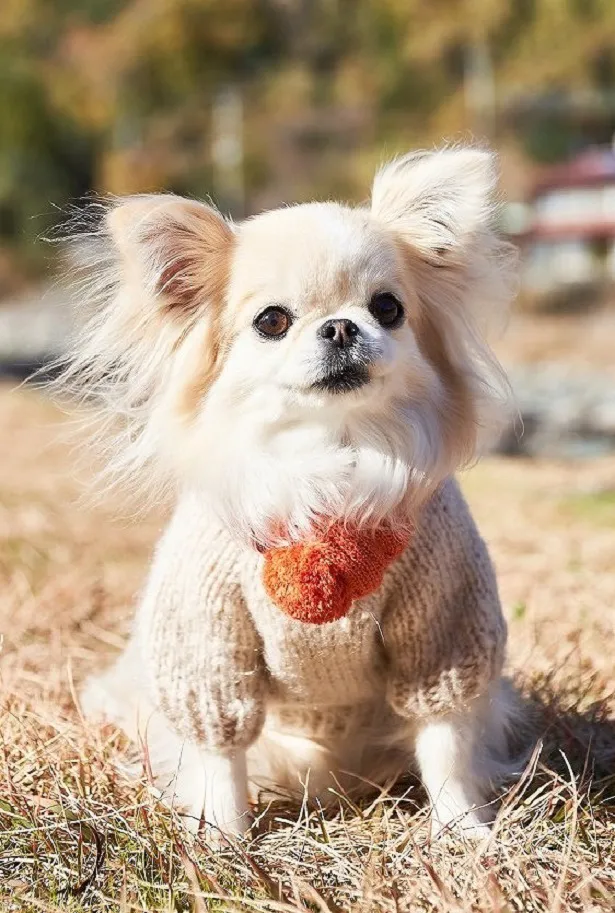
(254, 103)
(257, 102)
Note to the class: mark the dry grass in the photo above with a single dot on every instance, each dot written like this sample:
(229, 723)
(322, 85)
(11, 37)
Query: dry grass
(582, 340)
(74, 836)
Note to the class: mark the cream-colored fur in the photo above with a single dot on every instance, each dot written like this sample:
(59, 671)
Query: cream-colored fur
(460, 757)
(193, 398)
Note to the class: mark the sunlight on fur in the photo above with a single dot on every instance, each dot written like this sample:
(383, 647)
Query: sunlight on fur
(314, 363)
(168, 350)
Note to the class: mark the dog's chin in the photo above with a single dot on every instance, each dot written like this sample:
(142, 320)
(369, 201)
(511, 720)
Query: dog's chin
(346, 380)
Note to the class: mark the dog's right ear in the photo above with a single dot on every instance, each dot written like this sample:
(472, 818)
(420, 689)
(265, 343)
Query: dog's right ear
(150, 321)
(177, 250)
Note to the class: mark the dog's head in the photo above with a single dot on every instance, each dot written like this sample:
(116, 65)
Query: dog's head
(313, 361)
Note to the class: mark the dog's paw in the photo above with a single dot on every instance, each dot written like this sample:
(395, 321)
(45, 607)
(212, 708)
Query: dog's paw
(473, 824)
(218, 829)
(97, 701)
(218, 836)
(226, 812)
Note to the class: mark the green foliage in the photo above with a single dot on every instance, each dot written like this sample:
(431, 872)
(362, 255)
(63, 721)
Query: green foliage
(596, 507)
(116, 95)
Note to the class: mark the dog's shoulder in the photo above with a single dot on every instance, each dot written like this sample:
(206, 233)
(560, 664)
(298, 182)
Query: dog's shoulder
(195, 539)
(445, 537)
(446, 513)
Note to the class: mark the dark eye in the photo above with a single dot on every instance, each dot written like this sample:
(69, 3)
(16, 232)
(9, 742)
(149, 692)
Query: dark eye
(273, 322)
(386, 309)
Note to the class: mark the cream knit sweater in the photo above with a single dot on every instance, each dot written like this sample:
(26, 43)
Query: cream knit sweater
(218, 656)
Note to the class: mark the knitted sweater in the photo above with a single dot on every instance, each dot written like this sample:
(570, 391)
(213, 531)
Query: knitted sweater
(218, 655)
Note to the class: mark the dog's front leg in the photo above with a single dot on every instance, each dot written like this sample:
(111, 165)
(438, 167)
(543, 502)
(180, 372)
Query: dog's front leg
(226, 811)
(446, 757)
(208, 785)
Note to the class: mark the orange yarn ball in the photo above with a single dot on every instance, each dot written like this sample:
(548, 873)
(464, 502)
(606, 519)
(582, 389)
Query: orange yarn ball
(318, 582)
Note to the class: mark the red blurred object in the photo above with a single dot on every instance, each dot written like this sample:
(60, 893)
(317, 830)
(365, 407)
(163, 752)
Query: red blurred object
(575, 199)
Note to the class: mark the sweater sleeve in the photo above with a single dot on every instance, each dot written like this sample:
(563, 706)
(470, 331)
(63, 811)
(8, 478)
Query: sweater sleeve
(443, 629)
(201, 653)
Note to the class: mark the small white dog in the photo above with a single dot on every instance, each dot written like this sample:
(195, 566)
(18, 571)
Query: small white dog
(318, 366)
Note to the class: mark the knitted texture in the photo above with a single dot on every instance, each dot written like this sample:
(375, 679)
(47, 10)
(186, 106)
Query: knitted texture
(318, 582)
(219, 656)
(201, 654)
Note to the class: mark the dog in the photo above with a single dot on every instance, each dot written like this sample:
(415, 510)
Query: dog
(315, 366)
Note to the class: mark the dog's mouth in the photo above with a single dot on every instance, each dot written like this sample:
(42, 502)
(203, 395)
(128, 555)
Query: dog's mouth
(351, 377)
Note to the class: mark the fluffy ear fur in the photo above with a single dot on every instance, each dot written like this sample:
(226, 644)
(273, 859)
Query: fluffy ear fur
(440, 207)
(155, 272)
(436, 200)
(176, 249)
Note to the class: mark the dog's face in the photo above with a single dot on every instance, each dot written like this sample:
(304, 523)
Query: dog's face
(317, 361)
(320, 310)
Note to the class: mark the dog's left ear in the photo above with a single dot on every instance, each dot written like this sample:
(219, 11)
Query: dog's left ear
(439, 208)
(436, 201)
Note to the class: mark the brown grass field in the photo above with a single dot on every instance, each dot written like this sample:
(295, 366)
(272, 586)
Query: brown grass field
(75, 836)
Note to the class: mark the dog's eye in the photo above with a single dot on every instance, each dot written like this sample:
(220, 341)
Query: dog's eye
(273, 322)
(386, 309)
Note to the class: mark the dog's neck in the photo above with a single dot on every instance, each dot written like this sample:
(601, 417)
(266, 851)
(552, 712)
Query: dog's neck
(361, 466)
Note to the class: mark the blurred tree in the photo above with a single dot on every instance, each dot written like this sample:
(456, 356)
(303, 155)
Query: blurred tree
(124, 95)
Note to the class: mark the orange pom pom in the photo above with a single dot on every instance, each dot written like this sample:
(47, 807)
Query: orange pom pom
(318, 582)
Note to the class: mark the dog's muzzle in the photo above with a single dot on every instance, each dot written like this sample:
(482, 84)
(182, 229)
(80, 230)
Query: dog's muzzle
(343, 380)
(345, 357)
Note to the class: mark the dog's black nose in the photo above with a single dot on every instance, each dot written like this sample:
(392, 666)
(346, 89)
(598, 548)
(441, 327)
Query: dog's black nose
(340, 333)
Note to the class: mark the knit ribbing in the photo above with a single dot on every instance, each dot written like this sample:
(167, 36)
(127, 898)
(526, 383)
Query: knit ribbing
(217, 651)
(444, 631)
(202, 655)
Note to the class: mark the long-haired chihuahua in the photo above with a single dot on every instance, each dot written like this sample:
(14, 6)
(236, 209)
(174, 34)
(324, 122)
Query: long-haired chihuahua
(317, 367)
